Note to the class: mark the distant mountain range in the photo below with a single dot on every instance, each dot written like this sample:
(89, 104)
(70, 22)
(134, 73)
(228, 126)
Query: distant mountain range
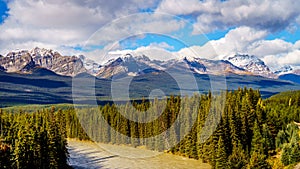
(45, 76)
(43, 86)
(23, 61)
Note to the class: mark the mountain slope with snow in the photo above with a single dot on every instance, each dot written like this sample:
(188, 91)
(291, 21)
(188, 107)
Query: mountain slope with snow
(284, 70)
(252, 64)
(135, 64)
(129, 65)
(24, 61)
(92, 67)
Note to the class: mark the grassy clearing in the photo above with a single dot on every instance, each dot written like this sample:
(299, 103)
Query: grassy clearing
(84, 154)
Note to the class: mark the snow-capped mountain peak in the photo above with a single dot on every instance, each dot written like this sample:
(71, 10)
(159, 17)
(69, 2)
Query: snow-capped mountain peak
(92, 67)
(41, 52)
(251, 63)
(244, 60)
(130, 65)
(134, 64)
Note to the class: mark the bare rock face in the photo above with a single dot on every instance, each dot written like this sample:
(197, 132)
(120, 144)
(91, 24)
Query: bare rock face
(16, 61)
(24, 61)
(63, 65)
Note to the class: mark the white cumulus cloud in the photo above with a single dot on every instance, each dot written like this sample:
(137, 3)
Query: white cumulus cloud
(215, 14)
(70, 23)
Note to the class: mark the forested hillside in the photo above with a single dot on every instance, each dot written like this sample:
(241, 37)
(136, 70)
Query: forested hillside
(33, 140)
(248, 132)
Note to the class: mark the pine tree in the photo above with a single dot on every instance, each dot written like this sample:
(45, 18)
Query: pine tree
(221, 158)
(245, 128)
(285, 157)
(257, 144)
(238, 159)
(295, 153)
(268, 141)
(23, 152)
(291, 151)
(258, 161)
(281, 138)
(233, 123)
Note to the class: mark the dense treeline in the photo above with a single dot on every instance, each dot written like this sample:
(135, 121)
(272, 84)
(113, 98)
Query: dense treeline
(33, 140)
(246, 133)
(234, 129)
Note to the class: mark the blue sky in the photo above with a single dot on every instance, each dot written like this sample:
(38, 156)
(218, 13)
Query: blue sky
(289, 36)
(3, 10)
(177, 44)
(268, 29)
(286, 35)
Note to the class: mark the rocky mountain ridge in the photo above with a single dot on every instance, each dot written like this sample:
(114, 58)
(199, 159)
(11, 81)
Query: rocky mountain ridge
(252, 64)
(24, 61)
(129, 65)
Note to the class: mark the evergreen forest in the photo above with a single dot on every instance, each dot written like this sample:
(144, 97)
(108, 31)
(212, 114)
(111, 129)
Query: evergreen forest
(231, 130)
